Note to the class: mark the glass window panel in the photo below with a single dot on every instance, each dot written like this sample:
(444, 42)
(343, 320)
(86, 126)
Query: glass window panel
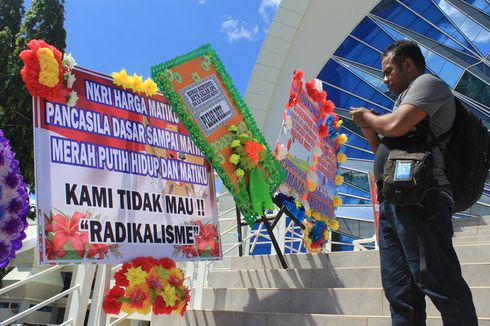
(449, 73)
(353, 201)
(348, 189)
(474, 88)
(403, 17)
(355, 51)
(354, 139)
(342, 77)
(372, 80)
(484, 69)
(473, 31)
(345, 100)
(480, 4)
(370, 33)
(429, 10)
(355, 153)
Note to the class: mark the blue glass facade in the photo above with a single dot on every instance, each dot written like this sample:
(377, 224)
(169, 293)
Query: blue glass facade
(456, 46)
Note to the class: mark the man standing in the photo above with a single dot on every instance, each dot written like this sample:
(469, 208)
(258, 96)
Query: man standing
(415, 242)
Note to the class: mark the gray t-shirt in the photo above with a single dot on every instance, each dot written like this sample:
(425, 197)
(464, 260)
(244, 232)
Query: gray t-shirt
(434, 97)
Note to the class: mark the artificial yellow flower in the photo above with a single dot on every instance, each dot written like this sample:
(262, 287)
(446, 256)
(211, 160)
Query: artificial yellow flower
(137, 82)
(120, 78)
(337, 201)
(236, 143)
(48, 67)
(342, 139)
(341, 157)
(338, 124)
(150, 87)
(169, 295)
(136, 275)
(297, 203)
(233, 128)
(234, 158)
(333, 224)
(339, 180)
(239, 173)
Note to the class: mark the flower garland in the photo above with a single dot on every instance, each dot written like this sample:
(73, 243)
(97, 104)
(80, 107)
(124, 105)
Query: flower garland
(48, 74)
(134, 83)
(14, 204)
(248, 156)
(145, 284)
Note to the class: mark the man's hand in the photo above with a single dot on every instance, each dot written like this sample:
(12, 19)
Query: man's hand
(359, 116)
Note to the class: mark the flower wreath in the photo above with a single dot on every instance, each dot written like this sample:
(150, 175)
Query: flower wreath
(14, 204)
(248, 157)
(46, 73)
(145, 284)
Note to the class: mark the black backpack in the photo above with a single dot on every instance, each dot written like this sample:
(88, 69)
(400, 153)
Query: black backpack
(467, 158)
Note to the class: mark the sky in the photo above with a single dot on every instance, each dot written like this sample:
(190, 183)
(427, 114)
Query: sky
(109, 35)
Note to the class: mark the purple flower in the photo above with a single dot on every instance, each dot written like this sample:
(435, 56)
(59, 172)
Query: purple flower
(13, 214)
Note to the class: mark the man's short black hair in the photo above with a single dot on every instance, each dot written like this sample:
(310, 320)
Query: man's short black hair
(405, 49)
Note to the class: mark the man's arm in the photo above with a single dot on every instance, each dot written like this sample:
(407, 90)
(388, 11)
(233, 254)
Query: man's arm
(371, 137)
(395, 124)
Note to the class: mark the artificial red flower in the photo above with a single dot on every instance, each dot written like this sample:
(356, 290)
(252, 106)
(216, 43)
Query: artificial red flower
(32, 69)
(187, 299)
(166, 263)
(253, 150)
(293, 99)
(159, 306)
(120, 275)
(110, 304)
(327, 107)
(313, 92)
(335, 120)
(323, 131)
(298, 74)
(146, 263)
(66, 230)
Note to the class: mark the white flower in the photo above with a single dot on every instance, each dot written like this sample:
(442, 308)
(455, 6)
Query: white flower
(282, 152)
(72, 99)
(71, 79)
(318, 85)
(69, 61)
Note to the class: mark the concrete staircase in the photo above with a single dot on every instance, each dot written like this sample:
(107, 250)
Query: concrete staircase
(342, 288)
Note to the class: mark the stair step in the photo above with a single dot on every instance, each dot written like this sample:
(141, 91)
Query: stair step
(473, 232)
(472, 221)
(241, 318)
(467, 253)
(342, 277)
(471, 239)
(319, 301)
